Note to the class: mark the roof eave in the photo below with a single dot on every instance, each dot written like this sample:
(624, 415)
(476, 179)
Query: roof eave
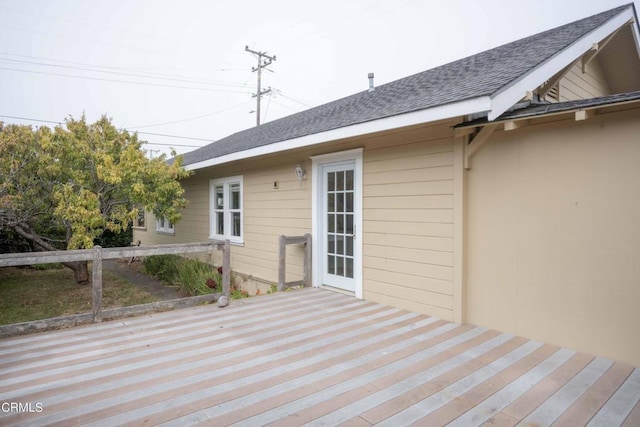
(462, 108)
(504, 99)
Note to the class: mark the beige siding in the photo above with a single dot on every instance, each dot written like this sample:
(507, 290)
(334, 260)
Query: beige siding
(578, 85)
(194, 226)
(408, 220)
(268, 213)
(553, 231)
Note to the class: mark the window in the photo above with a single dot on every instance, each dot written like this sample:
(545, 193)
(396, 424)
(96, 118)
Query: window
(226, 209)
(163, 225)
(141, 220)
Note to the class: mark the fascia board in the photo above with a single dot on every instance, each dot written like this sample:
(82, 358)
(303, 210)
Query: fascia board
(635, 28)
(471, 106)
(506, 98)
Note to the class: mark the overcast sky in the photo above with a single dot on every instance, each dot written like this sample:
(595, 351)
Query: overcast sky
(179, 68)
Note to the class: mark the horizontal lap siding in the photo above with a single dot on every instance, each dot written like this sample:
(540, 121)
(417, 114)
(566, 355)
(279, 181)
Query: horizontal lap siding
(407, 216)
(578, 85)
(268, 212)
(194, 226)
(408, 220)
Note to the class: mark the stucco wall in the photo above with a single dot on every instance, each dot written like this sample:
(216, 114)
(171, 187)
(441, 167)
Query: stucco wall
(553, 234)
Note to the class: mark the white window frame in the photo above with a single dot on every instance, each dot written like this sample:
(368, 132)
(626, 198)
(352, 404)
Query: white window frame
(226, 210)
(164, 226)
(136, 220)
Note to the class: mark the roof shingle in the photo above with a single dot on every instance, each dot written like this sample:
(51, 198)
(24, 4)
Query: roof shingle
(479, 75)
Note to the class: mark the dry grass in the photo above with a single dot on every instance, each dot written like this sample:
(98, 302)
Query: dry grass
(32, 294)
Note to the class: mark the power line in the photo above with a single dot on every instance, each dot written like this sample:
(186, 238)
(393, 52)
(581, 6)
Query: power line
(94, 41)
(135, 69)
(293, 98)
(285, 106)
(122, 81)
(171, 136)
(184, 80)
(32, 120)
(191, 118)
(314, 15)
(128, 130)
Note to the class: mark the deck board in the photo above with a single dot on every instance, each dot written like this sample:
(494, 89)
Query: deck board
(305, 357)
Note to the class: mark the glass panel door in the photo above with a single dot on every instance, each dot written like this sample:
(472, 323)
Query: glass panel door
(339, 231)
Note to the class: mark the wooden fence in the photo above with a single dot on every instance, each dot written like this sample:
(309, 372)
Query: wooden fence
(97, 254)
(283, 241)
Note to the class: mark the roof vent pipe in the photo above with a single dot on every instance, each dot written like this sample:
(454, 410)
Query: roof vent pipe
(371, 87)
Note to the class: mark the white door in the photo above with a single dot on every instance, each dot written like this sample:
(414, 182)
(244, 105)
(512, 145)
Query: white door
(338, 216)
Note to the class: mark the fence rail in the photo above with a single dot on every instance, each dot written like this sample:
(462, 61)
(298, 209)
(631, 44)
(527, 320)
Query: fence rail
(283, 241)
(97, 254)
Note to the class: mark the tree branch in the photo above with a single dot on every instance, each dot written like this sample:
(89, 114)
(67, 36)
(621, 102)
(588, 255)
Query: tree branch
(33, 237)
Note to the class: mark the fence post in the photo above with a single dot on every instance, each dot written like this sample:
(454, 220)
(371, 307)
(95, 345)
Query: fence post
(97, 284)
(282, 252)
(226, 268)
(307, 260)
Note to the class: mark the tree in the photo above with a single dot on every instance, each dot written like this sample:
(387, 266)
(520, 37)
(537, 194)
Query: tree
(67, 186)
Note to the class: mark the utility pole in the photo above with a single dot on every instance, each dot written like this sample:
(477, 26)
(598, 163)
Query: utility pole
(150, 152)
(262, 63)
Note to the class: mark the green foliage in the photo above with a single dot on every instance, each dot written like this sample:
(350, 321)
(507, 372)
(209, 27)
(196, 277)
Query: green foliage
(30, 294)
(48, 266)
(164, 267)
(109, 239)
(198, 278)
(12, 242)
(237, 293)
(81, 181)
(193, 277)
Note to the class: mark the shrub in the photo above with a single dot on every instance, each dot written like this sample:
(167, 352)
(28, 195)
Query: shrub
(164, 267)
(109, 239)
(48, 266)
(193, 277)
(198, 278)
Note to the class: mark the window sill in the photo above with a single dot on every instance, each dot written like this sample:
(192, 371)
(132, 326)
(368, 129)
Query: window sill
(232, 242)
(168, 233)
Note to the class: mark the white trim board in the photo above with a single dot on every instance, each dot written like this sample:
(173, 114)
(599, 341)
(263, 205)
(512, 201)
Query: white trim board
(458, 109)
(509, 96)
(317, 163)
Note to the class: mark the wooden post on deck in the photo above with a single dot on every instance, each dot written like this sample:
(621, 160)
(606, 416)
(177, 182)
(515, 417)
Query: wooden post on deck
(282, 253)
(307, 260)
(226, 268)
(97, 284)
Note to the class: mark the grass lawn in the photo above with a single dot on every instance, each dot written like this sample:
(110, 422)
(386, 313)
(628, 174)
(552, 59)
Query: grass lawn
(32, 294)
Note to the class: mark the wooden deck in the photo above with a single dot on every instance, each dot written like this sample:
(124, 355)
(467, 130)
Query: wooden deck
(305, 357)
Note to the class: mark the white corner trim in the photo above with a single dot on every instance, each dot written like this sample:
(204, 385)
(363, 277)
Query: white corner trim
(470, 106)
(636, 36)
(503, 100)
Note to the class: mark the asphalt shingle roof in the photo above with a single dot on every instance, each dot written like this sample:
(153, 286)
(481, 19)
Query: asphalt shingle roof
(479, 75)
(558, 107)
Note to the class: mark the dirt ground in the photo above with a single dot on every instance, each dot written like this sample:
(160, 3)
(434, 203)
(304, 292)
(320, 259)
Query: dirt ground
(132, 273)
